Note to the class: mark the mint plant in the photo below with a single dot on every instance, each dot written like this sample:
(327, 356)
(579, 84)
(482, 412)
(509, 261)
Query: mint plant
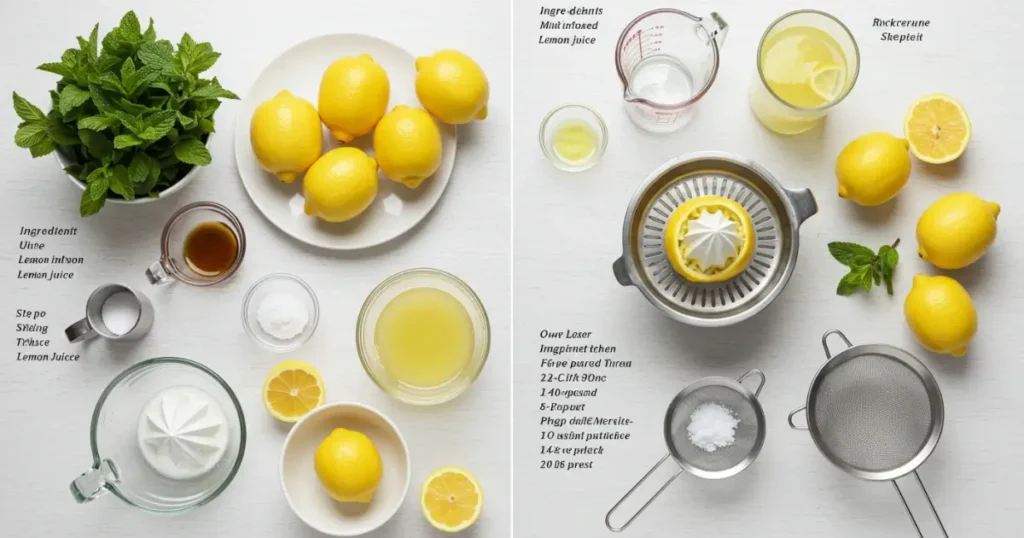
(131, 112)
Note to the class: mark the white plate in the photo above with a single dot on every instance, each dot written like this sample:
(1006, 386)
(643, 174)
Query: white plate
(397, 209)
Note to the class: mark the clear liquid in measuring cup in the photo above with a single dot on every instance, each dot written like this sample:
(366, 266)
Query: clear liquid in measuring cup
(661, 79)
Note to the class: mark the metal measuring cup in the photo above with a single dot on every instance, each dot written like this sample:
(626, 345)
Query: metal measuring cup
(92, 324)
(721, 463)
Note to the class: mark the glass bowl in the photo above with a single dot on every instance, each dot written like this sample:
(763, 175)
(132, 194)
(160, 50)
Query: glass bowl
(576, 114)
(367, 346)
(279, 283)
(119, 465)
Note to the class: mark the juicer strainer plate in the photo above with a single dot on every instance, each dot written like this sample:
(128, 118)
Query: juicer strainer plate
(776, 213)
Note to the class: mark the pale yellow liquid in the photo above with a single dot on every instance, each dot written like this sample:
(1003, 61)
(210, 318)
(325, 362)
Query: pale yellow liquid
(424, 337)
(574, 142)
(792, 63)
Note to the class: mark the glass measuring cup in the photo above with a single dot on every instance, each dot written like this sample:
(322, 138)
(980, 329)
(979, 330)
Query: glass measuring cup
(120, 466)
(173, 264)
(773, 110)
(667, 60)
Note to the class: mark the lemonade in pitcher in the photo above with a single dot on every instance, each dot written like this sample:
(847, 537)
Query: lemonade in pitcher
(807, 63)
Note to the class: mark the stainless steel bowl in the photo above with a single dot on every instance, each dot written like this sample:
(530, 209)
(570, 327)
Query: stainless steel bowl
(777, 213)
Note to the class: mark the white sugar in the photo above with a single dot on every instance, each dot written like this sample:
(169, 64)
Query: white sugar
(712, 426)
(120, 312)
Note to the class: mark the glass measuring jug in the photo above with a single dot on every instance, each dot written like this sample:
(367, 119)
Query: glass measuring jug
(807, 63)
(667, 60)
(121, 466)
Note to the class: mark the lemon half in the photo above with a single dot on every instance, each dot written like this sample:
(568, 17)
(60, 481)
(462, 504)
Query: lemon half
(678, 252)
(937, 128)
(292, 389)
(451, 499)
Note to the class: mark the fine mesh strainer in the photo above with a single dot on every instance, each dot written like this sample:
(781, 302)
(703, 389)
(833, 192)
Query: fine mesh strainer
(722, 463)
(775, 211)
(876, 412)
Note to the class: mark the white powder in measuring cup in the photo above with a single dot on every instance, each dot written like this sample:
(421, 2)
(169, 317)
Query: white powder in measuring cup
(282, 315)
(712, 426)
(120, 312)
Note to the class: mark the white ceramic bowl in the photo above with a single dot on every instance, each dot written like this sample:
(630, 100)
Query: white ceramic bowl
(302, 488)
(64, 163)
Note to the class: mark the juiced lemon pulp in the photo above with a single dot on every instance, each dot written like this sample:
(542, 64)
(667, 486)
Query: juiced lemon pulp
(424, 337)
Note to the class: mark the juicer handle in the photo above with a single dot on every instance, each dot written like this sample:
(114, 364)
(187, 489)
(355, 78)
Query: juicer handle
(608, 516)
(621, 271)
(94, 482)
(803, 203)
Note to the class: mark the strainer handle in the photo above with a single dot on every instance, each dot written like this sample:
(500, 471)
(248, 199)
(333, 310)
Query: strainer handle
(793, 414)
(608, 516)
(824, 341)
(931, 505)
(755, 372)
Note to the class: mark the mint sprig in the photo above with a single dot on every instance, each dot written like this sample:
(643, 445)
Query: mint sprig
(130, 111)
(867, 268)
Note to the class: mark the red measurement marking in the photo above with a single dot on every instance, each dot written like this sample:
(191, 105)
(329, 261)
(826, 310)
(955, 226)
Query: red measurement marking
(640, 35)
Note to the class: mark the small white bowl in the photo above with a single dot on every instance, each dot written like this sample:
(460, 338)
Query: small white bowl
(302, 488)
(189, 176)
(282, 283)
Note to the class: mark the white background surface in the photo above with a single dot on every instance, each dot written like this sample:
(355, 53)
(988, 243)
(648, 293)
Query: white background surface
(568, 232)
(44, 425)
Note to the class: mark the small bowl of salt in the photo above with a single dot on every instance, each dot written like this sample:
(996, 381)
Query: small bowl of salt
(280, 312)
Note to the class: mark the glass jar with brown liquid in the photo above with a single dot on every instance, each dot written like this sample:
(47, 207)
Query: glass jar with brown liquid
(202, 244)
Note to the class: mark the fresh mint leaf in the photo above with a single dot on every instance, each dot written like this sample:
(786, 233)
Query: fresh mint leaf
(72, 97)
(851, 254)
(206, 126)
(31, 134)
(853, 281)
(158, 125)
(57, 68)
(62, 134)
(141, 168)
(192, 151)
(127, 71)
(70, 59)
(150, 33)
(889, 257)
(121, 183)
(98, 123)
(130, 26)
(100, 99)
(111, 82)
(211, 90)
(185, 121)
(130, 122)
(98, 145)
(25, 110)
(126, 141)
(160, 54)
(45, 147)
(95, 196)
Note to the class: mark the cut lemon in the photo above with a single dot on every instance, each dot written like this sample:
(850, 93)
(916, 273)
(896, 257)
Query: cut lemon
(937, 128)
(709, 239)
(451, 499)
(827, 81)
(292, 389)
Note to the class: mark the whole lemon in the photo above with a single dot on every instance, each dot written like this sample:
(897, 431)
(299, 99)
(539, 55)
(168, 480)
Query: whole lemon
(354, 94)
(956, 230)
(340, 185)
(873, 168)
(285, 134)
(407, 144)
(941, 314)
(452, 87)
(348, 466)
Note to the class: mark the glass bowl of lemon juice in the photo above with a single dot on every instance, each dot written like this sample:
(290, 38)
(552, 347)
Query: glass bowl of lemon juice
(423, 336)
(573, 137)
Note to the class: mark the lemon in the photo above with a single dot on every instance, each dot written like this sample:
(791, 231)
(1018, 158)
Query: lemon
(285, 135)
(348, 466)
(354, 94)
(709, 239)
(872, 169)
(407, 144)
(292, 389)
(941, 314)
(827, 81)
(956, 230)
(937, 128)
(451, 499)
(452, 87)
(340, 185)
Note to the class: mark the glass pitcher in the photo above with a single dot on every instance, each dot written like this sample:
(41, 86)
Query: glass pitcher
(120, 466)
(667, 60)
(807, 63)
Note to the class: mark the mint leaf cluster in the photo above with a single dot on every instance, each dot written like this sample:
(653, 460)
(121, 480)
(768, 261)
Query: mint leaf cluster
(867, 267)
(130, 112)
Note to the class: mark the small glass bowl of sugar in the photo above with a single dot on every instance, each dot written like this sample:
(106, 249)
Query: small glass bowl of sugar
(280, 312)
